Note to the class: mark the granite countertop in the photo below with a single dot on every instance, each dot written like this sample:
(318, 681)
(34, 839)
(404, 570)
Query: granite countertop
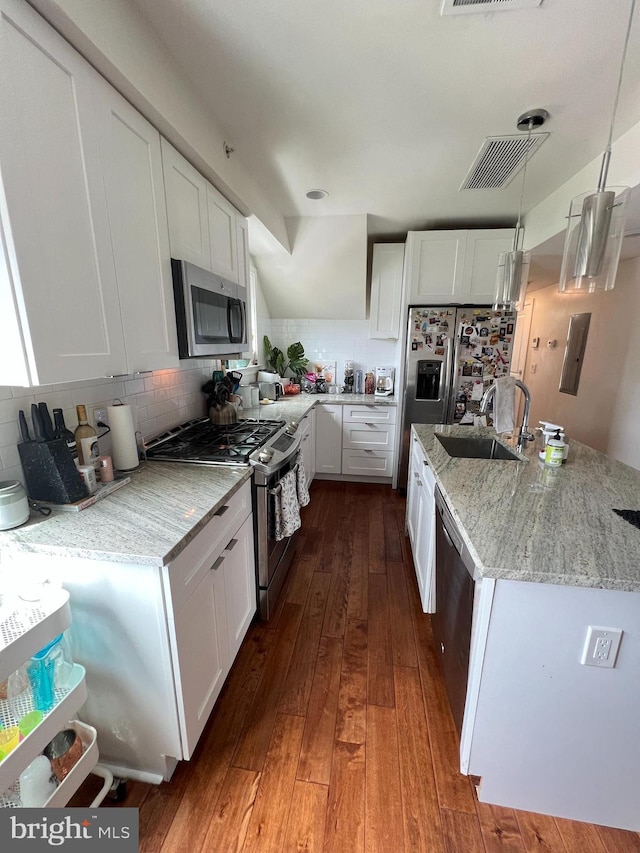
(151, 519)
(524, 521)
(295, 406)
(148, 521)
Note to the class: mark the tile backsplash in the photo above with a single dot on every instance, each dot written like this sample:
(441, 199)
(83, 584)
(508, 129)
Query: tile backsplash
(336, 340)
(160, 399)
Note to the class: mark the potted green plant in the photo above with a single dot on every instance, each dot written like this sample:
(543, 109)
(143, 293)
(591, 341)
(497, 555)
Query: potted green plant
(275, 359)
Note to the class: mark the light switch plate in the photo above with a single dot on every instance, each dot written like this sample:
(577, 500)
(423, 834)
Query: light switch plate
(601, 646)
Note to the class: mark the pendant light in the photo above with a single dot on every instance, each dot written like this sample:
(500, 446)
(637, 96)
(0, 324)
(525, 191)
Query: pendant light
(596, 222)
(513, 266)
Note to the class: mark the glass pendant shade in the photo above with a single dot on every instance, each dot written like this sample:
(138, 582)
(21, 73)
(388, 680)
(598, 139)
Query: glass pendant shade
(593, 241)
(511, 281)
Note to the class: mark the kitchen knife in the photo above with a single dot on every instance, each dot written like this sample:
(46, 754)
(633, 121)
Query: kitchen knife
(38, 429)
(24, 429)
(47, 424)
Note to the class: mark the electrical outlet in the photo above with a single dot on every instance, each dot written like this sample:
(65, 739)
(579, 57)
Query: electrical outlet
(100, 416)
(601, 646)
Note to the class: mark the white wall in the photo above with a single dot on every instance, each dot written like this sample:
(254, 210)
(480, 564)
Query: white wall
(161, 400)
(326, 273)
(605, 413)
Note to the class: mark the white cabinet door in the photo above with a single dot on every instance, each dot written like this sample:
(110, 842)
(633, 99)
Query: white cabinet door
(239, 585)
(222, 235)
(139, 233)
(242, 243)
(307, 448)
(186, 196)
(434, 264)
(59, 311)
(202, 648)
(424, 544)
(386, 290)
(329, 439)
(481, 263)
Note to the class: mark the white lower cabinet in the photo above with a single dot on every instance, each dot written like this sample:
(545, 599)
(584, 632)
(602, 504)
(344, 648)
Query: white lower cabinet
(329, 439)
(308, 444)
(355, 440)
(207, 629)
(420, 521)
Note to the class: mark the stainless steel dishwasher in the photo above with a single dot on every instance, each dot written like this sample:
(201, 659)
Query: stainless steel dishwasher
(454, 607)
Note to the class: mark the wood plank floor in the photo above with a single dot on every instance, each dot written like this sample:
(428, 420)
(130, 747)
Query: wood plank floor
(333, 732)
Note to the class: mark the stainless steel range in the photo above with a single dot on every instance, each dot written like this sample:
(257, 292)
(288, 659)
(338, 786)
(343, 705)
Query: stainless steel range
(272, 449)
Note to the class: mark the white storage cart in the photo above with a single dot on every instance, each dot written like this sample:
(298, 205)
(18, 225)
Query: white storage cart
(25, 628)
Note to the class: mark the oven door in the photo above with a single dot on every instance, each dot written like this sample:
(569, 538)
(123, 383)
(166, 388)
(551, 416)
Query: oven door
(273, 557)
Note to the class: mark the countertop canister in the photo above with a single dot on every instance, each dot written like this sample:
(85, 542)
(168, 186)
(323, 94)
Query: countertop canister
(14, 506)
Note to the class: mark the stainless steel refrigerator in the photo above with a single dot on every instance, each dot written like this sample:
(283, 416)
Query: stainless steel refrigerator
(452, 356)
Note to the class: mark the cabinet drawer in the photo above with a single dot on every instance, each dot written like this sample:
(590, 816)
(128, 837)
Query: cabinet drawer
(367, 463)
(187, 570)
(367, 436)
(369, 413)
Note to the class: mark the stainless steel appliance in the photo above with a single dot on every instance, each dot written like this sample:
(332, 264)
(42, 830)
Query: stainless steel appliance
(454, 607)
(385, 379)
(452, 356)
(272, 449)
(210, 312)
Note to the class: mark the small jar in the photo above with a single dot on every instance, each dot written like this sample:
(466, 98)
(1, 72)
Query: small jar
(105, 469)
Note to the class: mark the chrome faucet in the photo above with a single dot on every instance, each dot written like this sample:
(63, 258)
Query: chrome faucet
(523, 432)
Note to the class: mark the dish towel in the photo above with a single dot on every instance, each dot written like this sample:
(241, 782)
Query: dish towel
(504, 404)
(286, 516)
(303, 492)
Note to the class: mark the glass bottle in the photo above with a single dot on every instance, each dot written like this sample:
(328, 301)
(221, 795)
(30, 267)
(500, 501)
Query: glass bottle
(61, 431)
(86, 440)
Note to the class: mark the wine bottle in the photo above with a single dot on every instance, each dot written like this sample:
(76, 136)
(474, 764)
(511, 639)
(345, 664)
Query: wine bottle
(61, 431)
(86, 440)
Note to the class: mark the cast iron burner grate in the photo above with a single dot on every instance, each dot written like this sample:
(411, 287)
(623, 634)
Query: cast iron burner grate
(630, 515)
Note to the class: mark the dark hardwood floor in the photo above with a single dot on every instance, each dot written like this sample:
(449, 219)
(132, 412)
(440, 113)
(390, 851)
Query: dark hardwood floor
(333, 732)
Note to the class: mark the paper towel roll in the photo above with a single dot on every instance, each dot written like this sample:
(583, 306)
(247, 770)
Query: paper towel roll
(124, 448)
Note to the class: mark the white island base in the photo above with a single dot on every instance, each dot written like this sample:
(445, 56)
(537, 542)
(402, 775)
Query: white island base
(543, 731)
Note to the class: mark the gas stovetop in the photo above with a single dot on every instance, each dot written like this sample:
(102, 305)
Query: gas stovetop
(202, 442)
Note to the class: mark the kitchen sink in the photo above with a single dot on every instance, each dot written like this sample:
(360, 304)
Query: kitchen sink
(475, 448)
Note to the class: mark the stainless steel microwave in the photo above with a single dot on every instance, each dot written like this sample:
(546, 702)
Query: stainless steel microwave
(211, 312)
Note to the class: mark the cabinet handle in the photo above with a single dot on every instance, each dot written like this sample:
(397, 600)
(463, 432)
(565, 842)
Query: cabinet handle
(449, 540)
(217, 564)
(141, 372)
(222, 510)
(419, 481)
(116, 375)
(442, 647)
(231, 545)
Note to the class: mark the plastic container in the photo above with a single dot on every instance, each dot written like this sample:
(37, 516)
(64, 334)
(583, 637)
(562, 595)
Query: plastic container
(9, 739)
(49, 668)
(554, 451)
(37, 783)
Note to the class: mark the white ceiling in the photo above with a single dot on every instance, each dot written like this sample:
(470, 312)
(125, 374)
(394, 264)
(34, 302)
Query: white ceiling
(384, 103)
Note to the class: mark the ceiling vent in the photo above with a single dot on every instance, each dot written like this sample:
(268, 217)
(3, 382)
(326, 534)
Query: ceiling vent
(461, 7)
(500, 159)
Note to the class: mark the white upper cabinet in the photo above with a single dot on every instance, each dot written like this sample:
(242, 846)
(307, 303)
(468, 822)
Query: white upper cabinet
(386, 290)
(434, 262)
(481, 262)
(186, 196)
(59, 311)
(139, 234)
(443, 267)
(242, 241)
(222, 235)
(202, 223)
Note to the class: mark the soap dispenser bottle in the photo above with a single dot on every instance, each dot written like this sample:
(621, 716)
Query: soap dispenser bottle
(554, 452)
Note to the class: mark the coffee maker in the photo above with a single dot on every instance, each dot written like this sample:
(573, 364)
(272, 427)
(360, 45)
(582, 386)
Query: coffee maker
(384, 381)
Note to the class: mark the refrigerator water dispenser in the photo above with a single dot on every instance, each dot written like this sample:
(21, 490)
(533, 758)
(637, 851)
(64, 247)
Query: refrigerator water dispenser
(428, 380)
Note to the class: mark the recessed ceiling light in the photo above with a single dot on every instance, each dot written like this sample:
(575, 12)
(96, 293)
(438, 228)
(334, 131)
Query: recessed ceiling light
(317, 194)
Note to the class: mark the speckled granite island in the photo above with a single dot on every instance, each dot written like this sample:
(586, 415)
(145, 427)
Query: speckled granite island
(545, 732)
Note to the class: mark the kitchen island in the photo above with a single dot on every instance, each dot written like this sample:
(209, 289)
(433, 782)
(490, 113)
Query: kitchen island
(544, 731)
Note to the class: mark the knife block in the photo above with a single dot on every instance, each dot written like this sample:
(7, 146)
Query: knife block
(50, 473)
